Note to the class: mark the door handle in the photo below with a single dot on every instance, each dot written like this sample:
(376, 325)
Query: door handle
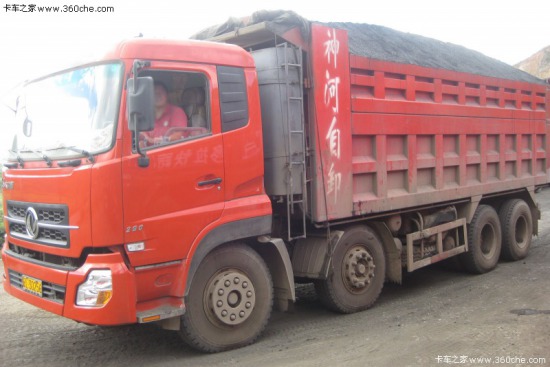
(213, 181)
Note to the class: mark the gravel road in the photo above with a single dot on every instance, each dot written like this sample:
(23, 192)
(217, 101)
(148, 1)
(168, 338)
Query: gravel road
(438, 317)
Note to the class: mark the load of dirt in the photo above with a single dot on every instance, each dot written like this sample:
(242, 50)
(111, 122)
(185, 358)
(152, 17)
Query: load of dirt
(382, 43)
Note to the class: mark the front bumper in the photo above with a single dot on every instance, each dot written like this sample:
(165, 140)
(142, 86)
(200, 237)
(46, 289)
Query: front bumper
(60, 286)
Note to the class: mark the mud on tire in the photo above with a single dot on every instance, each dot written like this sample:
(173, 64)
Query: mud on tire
(358, 271)
(517, 229)
(484, 241)
(229, 301)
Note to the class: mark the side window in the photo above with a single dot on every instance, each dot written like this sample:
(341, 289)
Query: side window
(182, 108)
(233, 98)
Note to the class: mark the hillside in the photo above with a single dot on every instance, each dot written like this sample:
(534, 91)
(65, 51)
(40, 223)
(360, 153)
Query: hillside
(537, 64)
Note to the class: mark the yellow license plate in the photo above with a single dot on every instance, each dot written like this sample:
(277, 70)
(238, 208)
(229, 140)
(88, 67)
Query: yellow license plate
(32, 285)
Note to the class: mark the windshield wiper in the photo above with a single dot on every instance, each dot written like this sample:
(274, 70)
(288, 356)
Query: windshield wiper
(43, 156)
(20, 161)
(88, 155)
(15, 150)
(40, 153)
(11, 165)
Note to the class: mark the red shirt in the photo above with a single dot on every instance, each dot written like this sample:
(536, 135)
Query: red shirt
(173, 116)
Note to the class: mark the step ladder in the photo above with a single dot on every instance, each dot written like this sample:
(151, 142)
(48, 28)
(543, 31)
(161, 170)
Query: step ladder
(296, 145)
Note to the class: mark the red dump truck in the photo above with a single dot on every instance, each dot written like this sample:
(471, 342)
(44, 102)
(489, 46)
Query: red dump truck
(337, 154)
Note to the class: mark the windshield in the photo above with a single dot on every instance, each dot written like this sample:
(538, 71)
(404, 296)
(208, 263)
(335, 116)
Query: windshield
(68, 114)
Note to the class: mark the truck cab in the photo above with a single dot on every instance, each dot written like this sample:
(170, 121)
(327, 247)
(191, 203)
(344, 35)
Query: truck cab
(95, 236)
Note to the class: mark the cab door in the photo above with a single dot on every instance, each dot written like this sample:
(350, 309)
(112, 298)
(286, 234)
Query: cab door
(168, 203)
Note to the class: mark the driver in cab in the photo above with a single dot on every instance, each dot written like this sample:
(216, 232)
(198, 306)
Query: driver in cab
(167, 116)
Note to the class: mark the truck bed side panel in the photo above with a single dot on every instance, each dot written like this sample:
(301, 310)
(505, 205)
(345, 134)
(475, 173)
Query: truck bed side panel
(424, 135)
(402, 135)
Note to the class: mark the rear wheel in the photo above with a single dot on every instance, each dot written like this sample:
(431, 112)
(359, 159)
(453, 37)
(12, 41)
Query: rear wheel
(484, 241)
(358, 272)
(517, 229)
(230, 300)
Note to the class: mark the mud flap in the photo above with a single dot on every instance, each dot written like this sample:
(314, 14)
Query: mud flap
(393, 248)
(312, 256)
(275, 255)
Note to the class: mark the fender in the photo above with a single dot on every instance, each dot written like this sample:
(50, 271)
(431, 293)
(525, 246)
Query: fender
(227, 232)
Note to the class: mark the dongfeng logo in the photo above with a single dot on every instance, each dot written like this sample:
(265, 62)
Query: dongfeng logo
(31, 223)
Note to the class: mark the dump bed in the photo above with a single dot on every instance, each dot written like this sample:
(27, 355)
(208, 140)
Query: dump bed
(391, 136)
(395, 121)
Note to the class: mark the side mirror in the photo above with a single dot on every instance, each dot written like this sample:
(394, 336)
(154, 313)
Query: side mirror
(141, 104)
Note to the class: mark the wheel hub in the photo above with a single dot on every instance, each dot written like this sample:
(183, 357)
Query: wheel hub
(231, 297)
(358, 269)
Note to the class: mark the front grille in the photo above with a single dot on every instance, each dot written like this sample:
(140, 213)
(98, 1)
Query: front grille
(52, 216)
(17, 228)
(53, 234)
(17, 212)
(50, 291)
(49, 215)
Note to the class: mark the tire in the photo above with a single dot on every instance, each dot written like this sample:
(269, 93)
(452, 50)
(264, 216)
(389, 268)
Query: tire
(358, 271)
(229, 301)
(517, 229)
(484, 241)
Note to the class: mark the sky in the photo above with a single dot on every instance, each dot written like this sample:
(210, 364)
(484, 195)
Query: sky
(36, 43)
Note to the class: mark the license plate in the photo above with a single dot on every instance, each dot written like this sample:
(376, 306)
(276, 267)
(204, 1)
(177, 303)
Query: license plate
(32, 285)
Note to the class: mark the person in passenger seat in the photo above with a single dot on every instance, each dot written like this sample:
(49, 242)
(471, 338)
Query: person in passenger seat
(193, 105)
(166, 116)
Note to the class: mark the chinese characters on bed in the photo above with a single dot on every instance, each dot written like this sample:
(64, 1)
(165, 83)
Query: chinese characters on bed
(332, 85)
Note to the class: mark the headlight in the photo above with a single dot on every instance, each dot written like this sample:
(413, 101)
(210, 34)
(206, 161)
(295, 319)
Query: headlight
(97, 290)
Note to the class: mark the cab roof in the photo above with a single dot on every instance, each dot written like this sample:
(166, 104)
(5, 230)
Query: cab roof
(181, 50)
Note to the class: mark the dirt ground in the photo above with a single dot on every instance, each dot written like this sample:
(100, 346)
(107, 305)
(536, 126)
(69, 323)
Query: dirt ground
(437, 317)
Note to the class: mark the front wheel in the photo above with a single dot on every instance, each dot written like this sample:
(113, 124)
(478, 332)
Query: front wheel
(230, 300)
(358, 272)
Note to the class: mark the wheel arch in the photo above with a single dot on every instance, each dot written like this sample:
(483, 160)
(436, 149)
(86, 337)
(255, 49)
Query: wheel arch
(254, 233)
(225, 233)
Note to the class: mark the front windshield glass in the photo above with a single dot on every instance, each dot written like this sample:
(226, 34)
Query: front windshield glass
(68, 114)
